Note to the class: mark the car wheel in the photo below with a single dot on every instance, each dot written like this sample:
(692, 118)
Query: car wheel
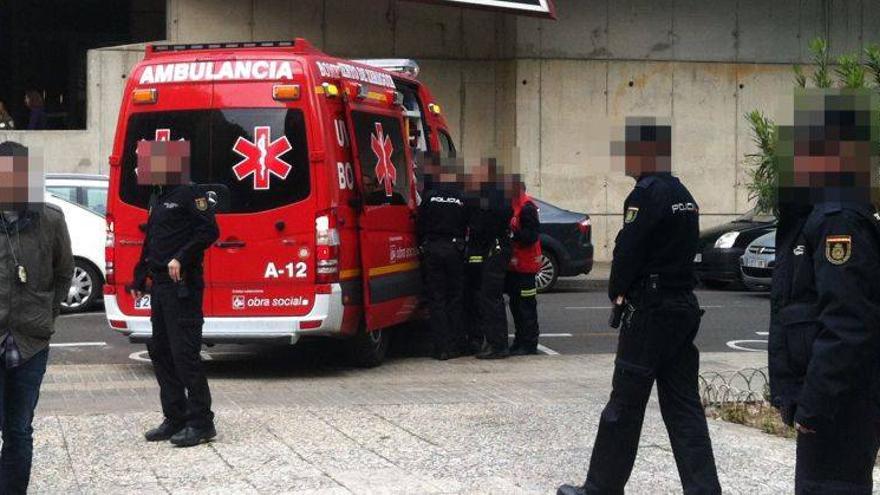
(85, 288)
(368, 349)
(546, 277)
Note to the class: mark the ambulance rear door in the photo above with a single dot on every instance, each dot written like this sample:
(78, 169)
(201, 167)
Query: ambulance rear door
(263, 262)
(389, 249)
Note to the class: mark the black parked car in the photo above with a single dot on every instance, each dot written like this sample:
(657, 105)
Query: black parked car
(718, 258)
(565, 243)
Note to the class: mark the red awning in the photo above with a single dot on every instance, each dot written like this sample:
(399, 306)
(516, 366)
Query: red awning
(540, 8)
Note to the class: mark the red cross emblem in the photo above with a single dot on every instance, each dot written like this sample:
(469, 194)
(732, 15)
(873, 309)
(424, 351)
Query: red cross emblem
(163, 134)
(385, 171)
(262, 157)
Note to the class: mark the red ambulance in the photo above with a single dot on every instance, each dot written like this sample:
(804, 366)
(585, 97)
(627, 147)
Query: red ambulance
(308, 161)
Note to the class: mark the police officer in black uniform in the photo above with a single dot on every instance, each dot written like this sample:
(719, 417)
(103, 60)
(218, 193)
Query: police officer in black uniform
(824, 344)
(181, 226)
(489, 237)
(652, 277)
(441, 230)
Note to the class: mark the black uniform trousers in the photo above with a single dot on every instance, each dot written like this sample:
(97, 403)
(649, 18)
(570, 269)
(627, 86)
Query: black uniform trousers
(493, 313)
(655, 344)
(444, 277)
(175, 349)
(473, 274)
(523, 298)
(839, 458)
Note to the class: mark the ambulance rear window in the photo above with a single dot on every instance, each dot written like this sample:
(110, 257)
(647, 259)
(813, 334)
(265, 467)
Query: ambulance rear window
(259, 154)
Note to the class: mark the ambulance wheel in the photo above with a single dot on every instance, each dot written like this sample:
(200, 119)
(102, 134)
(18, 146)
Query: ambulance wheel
(368, 349)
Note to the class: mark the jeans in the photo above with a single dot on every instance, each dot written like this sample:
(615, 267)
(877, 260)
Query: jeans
(19, 392)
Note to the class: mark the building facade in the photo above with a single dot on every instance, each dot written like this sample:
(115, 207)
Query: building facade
(541, 91)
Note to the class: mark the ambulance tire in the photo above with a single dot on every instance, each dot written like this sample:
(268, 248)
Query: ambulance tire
(368, 349)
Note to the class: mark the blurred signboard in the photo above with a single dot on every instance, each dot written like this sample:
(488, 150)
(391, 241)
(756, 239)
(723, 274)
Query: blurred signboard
(541, 8)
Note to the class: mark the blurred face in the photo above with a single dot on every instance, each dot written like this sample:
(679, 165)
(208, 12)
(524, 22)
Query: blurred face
(163, 163)
(644, 157)
(20, 186)
(845, 157)
(827, 154)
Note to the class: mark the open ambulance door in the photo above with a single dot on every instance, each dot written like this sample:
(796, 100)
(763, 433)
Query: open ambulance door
(388, 244)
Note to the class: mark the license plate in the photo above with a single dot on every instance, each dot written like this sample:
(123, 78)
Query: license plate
(142, 302)
(698, 258)
(753, 263)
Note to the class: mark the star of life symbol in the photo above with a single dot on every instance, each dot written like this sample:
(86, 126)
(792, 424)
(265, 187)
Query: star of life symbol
(385, 172)
(262, 157)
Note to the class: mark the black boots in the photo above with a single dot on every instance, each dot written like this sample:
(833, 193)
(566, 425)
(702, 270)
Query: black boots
(490, 352)
(523, 350)
(191, 436)
(164, 431)
(571, 490)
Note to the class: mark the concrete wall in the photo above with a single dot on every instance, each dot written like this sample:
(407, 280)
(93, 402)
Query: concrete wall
(87, 151)
(538, 89)
(703, 64)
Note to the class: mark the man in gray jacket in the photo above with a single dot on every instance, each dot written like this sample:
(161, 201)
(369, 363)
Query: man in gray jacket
(36, 266)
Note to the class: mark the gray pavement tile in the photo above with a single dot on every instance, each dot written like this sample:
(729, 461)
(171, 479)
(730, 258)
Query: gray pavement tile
(414, 426)
(125, 489)
(104, 451)
(51, 465)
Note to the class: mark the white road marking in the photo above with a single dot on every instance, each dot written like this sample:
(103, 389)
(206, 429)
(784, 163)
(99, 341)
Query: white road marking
(144, 356)
(609, 307)
(735, 345)
(763, 334)
(82, 315)
(546, 350)
(78, 344)
(139, 356)
(552, 335)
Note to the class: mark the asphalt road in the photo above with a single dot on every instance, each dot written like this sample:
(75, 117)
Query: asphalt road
(574, 320)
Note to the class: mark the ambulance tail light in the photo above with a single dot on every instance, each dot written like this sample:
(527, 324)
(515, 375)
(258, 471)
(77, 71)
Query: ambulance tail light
(118, 325)
(145, 96)
(110, 258)
(326, 248)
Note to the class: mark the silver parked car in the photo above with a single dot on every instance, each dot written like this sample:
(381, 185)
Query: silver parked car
(758, 261)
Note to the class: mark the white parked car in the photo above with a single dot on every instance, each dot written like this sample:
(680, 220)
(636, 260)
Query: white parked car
(83, 199)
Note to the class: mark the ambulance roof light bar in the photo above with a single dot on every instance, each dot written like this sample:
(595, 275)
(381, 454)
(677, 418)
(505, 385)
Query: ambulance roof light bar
(400, 65)
(215, 46)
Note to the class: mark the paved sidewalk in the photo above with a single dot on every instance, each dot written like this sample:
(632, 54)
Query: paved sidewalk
(518, 426)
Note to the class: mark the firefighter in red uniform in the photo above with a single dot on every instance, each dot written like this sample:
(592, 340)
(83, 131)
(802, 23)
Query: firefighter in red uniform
(525, 262)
